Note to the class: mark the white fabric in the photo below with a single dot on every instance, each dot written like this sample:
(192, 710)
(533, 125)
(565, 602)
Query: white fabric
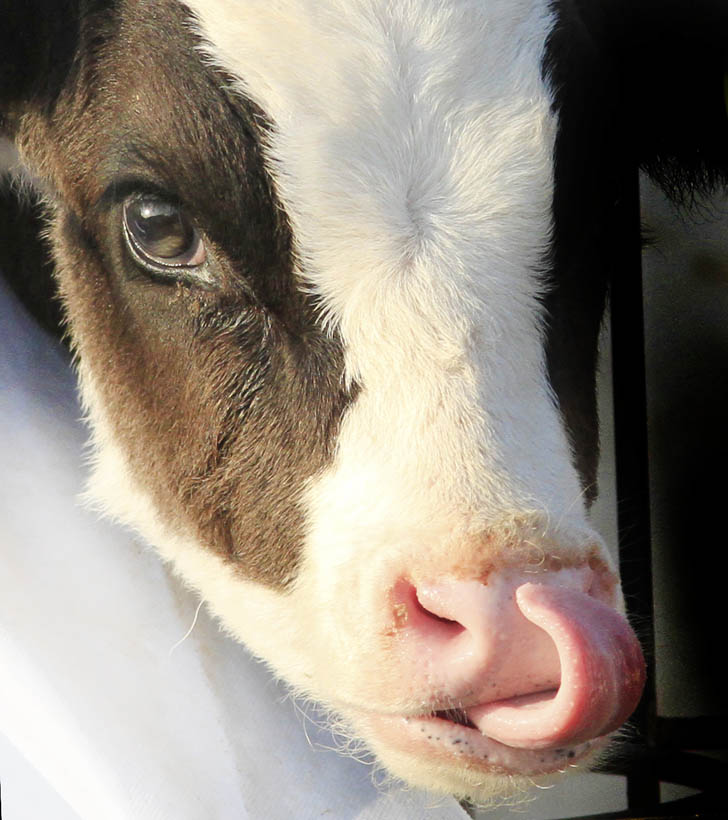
(120, 719)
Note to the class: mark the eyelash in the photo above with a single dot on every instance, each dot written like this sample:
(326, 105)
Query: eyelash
(190, 265)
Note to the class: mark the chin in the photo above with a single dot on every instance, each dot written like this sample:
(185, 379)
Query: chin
(446, 757)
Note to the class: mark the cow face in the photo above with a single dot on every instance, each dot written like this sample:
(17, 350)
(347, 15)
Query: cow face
(328, 272)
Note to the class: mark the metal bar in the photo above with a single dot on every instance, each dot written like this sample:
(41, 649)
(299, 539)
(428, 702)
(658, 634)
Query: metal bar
(689, 769)
(631, 454)
(696, 807)
(705, 732)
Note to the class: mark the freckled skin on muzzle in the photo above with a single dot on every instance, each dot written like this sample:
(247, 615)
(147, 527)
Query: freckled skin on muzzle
(521, 674)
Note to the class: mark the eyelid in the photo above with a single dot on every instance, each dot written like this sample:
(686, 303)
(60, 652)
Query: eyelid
(194, 272)
(149, 261)
(196, 236)
(129, 186)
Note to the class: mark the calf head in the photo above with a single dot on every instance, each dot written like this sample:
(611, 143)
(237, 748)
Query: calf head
(334, 274)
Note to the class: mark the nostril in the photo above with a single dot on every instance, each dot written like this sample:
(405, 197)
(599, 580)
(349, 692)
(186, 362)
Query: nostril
(415, 610)
(471, 641)
(531, 664)
(452, 625)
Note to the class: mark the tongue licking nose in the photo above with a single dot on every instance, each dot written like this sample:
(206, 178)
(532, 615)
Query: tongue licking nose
(547, 664)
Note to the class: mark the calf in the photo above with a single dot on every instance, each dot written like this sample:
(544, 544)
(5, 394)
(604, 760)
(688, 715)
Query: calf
(334, 275)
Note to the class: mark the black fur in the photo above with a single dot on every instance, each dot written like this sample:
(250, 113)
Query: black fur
(638, 84)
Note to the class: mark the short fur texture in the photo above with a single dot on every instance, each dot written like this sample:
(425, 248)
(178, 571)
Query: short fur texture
(388, 371)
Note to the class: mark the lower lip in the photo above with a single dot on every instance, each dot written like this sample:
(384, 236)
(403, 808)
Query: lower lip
(453, 742)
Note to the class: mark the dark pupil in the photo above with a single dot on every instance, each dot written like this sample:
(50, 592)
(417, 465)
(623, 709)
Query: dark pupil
(159, 228)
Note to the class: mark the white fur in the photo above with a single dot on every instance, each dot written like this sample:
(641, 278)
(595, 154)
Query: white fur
(412, 150)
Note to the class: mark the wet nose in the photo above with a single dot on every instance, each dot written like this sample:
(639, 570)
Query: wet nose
(535, 661)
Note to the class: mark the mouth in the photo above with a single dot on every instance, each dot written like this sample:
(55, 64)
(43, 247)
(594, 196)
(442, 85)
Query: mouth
(450, 737)
(458, 716)
(537, 728)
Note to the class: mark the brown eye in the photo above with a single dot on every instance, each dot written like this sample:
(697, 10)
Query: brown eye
(160, 233)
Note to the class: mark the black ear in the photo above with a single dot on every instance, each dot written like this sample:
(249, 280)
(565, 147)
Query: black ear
(37, 42)
(670, 62)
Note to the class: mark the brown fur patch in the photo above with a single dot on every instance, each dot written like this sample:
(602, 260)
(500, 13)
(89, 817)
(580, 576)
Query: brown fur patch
(225, 400)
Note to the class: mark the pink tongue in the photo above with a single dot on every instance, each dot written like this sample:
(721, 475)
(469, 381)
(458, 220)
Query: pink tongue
(602, 674)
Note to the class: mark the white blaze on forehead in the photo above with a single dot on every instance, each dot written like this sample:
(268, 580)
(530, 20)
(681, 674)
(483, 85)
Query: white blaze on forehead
(412, 150)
